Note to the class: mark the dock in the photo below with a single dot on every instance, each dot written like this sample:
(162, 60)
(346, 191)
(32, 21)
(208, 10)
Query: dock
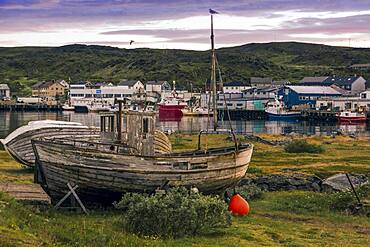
(319, 115)
(28, 107)
(242, 114)
(26, 193)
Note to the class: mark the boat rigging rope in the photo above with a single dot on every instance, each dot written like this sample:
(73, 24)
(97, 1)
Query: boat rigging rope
(227, 108)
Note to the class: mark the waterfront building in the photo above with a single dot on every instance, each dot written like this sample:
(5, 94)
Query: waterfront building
(352, 84)
(105, 92)
(157, 86)
(259, 82)
(49, 89)
(351, 103)
(4, 91)
(134, 86)
(235, 87)
(305, 95)
(265, 93)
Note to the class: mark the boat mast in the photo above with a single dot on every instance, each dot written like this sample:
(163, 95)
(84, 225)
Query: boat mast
(213, 74)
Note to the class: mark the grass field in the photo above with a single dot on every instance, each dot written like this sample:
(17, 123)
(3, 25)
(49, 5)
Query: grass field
(294, 218)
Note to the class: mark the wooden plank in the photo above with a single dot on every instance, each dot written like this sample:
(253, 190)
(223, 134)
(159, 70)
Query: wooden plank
(28, 193)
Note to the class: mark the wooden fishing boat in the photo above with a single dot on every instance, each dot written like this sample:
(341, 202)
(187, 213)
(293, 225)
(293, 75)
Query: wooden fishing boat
(138, 158)
(105, 170)
(18, 143)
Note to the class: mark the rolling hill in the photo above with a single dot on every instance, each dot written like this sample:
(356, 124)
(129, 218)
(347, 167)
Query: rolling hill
(21, 67)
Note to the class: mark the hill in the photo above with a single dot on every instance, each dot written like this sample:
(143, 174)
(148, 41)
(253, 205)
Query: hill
(21, 67)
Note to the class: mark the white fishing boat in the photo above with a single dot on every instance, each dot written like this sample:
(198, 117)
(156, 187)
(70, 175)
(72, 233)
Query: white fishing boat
(276, 110)
(18, 143)
(351, 117)
(196, 112)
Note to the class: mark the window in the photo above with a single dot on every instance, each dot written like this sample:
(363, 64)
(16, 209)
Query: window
(145, 125)
(229, 104)
(239, 104)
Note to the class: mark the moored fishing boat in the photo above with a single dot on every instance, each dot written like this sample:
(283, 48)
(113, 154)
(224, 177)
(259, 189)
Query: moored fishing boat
(275, 110)
(18, 143)
(351, 117)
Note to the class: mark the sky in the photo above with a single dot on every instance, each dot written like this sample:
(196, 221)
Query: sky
(183, 24)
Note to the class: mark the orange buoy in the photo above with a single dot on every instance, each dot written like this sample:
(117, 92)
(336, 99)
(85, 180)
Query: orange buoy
(238, 205)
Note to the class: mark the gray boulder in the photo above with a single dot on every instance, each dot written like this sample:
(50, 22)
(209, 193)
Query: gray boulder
(340, 183)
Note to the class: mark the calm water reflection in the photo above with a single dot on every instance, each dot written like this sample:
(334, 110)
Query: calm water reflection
(9, 121)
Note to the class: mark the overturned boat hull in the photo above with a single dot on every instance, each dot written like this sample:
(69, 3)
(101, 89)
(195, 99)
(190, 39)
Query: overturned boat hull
(103, 176)
(18, 143)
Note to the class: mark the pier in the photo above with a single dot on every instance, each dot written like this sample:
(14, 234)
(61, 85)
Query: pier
(318, 115)
(242, 114)
(29, 107)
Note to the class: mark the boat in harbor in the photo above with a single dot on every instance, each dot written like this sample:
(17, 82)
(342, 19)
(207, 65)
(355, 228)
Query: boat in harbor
(18, 143)
(171, 108)
(351, 117)
(67, 107)
(276, 110)
(196, 112)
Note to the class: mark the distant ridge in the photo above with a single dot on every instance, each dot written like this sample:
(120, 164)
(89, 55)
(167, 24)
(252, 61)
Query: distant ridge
(20, 67)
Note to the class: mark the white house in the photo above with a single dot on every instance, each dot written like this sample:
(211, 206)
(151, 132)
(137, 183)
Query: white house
(157, 86)
(134, 85)
(4, 91)
(235, 87)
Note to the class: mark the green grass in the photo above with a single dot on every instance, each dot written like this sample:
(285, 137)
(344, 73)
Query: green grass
(271, 222)
(294, 218)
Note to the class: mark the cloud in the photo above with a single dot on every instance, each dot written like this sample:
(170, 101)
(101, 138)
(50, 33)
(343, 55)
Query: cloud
(170, 23)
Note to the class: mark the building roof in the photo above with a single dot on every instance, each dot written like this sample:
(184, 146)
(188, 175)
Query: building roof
(45, 84)
(313, 79)
(280, 82)
(339, 80)
(314, 90)
(129, 83)
(156, 82)
(363, 65)
(4, 87)
(262, 89)
(261, 80)
(340, 90)
(235, 84)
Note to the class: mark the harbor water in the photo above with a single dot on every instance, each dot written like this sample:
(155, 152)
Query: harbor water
(10, 121)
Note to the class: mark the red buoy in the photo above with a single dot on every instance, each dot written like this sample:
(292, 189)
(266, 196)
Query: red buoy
(238, 205)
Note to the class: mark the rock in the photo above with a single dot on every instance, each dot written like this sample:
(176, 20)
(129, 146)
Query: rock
(340, 183)
(278, 182)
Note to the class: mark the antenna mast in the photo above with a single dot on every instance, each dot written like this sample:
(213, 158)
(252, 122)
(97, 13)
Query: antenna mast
(213, 75)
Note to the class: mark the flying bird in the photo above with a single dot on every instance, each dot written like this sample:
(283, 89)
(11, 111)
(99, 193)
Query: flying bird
(211, 11)
(131, 42)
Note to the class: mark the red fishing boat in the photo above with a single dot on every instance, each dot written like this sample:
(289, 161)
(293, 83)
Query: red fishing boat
(351, 117)
(170, 108)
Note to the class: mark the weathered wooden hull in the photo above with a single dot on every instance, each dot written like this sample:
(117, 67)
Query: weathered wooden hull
(104, 176)
(20, 147)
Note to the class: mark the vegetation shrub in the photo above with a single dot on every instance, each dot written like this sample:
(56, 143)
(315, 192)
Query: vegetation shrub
(176, 213)
(302, 146)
